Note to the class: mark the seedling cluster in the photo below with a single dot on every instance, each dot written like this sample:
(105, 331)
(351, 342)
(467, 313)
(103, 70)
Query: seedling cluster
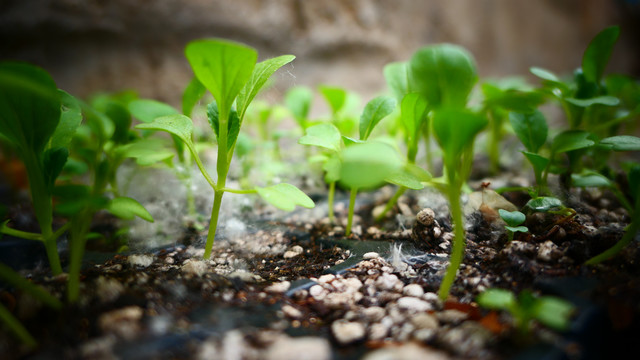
(396, 139)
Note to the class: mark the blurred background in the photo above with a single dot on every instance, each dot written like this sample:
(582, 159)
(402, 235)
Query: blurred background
(112, 45)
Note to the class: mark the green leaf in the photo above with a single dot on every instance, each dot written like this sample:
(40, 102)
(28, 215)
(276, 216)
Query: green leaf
(223, 67)
(406, 179)
(325, 135)
(285, 196)
(335, 96)
(298, 101)
(233, 124)
(147, 151)
(538, 162)
(597, 54)
(191, 95)
(29, 106)
(118, 116)
(621, 143)
(397, 76)
(512, 218)
(178, 125)
(53, 162)
(366, 165)
(128, 208)
(515, 229)
(531, 129)
(600, 100)
(544, 74)
(553, 312)
(375, 110)
(413, 112)
(147, 110)
(544, 204)
(511, 99)
(590, 179)
(261, 73)
(332, 167)
(70, 119)
(444, 74)
(455, 131)
(497, 299)
(571, 140)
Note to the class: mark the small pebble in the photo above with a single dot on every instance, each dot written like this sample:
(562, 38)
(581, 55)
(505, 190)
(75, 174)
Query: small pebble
(414, 290)
(414, 304)
(194, 267)
(370, 255)
(142, 261)
(278, 288)
(347, 332)
(293, 252)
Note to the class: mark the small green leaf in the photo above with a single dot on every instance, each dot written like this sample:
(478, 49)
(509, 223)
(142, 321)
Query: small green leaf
(511, 99)
(70, 119)
(497, 299)
(298, 101)
(414, 111)
(455, 131)
(571, 140)
(191, 95)
(147, 151)
(512, 218)
(600, 100)
(332, 167)
(539, 162)
(590, 179)
(285, 196)
(53, 163)
(621, 143)
(335, 96)
(531, 129)
(222, 66)
(324, 135)
(375, 110)
(233, 124)
(397, 76)
(147, 110)
(553, 312)
(178, 125)
(516, 229)
(418, 172)
(544, 74)
(261, 73)
(444, 74)
(544, 204)
(597, 54)
(128, 208)
(118, 116)
(366, 165)
(406, 179)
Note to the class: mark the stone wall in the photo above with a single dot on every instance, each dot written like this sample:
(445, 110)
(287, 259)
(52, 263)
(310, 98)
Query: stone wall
(91, 45)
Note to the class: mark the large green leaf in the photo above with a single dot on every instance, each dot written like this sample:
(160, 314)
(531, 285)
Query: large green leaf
(324, 135)
(599, 100)
(191, 95)
(511, 99)
(233, 124)
(531, 129)
(298, 101)
(413, 112)
(223, 67)
(590, 179)
(178, 125)
(621, 143)
(70, 119)
(147, 110)
(367, 165)
(335, 96)
(29, 106)
(571, 140)
(444, 74)
(375, 110)
(455, 131)
(598, 52)
(397, 76)
(285, 196)
(128, 208)
(405, 178)
(261, 73)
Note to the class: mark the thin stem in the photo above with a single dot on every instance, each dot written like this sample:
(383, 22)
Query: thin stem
(21, 234)
(391, 202)
(213, 225)
(240, 191)
(203, 170)
(352, 205)
(18, 329)
(457, 248)
(332, 192)
(79, 229)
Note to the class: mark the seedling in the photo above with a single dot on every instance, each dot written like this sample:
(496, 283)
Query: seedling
(341, 102)
(550, 311)
(298, 101)
(514, 220)
(229, 71)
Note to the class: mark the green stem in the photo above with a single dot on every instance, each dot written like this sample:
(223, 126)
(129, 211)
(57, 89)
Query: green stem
(16, 327)
(21, 234)
(332, 193)
(494, 143)
(239, 191)
(391, 203)
(78, 238)
(458, 245)
(213, 225)
(352, 205)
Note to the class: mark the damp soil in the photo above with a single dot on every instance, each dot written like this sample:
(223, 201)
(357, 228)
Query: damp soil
(300, 285)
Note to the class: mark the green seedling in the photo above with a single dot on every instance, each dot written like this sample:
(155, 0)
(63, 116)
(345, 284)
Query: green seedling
(298, 100)
(341, 102)
(550, 311)
(229, 72)
(514, 220)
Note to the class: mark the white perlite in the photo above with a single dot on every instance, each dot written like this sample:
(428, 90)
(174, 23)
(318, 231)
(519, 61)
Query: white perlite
(142, 261)
(414, 290)
(370, 255)
(194, 267)
(301, 348)
(414, 304)
(293, 252)
(347, 332)
(278, 288)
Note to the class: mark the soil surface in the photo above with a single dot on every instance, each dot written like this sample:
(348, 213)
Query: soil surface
(298, 289)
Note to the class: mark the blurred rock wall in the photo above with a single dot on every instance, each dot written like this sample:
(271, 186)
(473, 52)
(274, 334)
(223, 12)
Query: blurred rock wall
(91, 45)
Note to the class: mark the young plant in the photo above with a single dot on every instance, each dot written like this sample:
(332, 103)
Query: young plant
(298, 100)
(514, 220)
(550, 311)
(341, 103)
(229, 71)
